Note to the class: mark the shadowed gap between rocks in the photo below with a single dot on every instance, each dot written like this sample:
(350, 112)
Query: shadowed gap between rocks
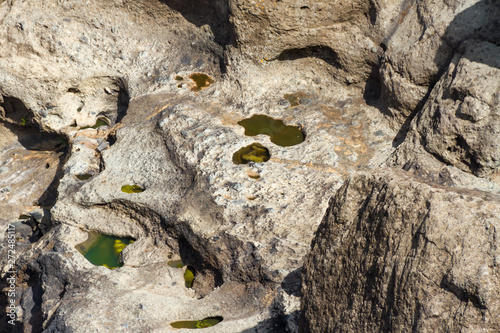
(212, 277)
(122, 101)
(325, 53)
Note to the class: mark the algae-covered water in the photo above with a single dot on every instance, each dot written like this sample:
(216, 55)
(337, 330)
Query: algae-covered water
(255, 152)
(280, 134)
(204, 323)
(103, 250)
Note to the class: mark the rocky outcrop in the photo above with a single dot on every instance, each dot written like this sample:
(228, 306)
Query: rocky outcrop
(422, 40)
(461, 121)
(99, 95)
(335, 33)
(395, 254)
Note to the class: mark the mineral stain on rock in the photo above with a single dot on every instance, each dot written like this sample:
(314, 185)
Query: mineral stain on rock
(132, 189)
(280, 134)
(202, 81)
(294, 99)
(103, 250)
(204, 323)
(255, 152)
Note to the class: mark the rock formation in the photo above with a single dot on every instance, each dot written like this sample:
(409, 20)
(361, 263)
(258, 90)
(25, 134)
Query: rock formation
(398, 102)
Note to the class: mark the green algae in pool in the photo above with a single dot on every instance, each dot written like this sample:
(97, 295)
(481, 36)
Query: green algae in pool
(132, 189)
(176, 263)
(178, 78)
(189, 276)
(202, 80)
(280, 134)
(204, 323)
(252, 153)
(103, 250)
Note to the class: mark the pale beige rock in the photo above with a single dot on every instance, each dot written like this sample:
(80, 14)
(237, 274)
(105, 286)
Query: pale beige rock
(395, 254)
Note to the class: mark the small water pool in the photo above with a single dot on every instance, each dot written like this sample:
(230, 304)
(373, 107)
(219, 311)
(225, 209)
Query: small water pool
(280, 134)
(103, 250)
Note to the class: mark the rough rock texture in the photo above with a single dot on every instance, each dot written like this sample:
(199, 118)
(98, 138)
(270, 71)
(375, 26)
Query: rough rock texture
(336, 33)
(421, 43)
(66, 66)
(395, 254)
(460, 121)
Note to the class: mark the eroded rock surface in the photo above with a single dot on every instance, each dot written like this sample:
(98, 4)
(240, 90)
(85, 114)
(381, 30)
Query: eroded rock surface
(396, 254)
(105, 95)
(421, 43)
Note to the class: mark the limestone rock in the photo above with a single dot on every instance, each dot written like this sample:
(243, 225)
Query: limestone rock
(396, 254)
(422, 41)
(459, 123)
(337, 33)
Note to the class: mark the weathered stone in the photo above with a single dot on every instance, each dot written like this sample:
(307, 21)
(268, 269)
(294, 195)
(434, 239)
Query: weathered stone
(244, 228)
(395, 254)
(459, 123)
(422, 41)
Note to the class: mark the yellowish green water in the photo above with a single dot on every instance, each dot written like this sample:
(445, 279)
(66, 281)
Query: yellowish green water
(280, 134)
(189, 276)
(176, 263)
(132, 189)
(255, 152)
(103, 250)
(294, 98)
(204, 323)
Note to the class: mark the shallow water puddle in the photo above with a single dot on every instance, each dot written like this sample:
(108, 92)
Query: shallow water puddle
(101, 121)
(84, 176)
(176, 263)
(280, 134)
(255, 152)
(204, 323)
(201, 80)
(103, 250)
(132, 189)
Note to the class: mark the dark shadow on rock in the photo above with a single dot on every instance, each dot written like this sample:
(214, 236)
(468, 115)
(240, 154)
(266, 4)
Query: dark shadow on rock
(122, 101)
(276, 324)
(480, 21)
(32, 302)
(33, 139)
(14, 110)
(192, 258)
(322, 52)
(405, 128)
(373, 88)
(215, 13)
(49, 197)
(292, 282)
